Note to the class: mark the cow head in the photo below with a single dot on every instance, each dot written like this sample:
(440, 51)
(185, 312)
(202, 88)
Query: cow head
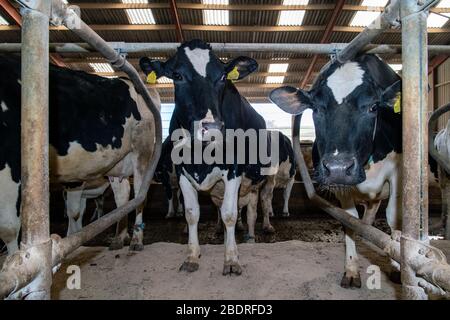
(348, 101)
(199, 78)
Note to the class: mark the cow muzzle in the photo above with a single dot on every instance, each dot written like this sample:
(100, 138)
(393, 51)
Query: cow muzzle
(209, 131)
(341, 171)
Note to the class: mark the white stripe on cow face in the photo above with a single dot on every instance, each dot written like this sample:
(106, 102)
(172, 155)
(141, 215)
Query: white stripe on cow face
(199, 59)
(345, 80)
(3, 106)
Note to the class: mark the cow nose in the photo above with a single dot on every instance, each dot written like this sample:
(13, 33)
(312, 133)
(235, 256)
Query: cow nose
(341, 166)
(342, 170)
(206, 126)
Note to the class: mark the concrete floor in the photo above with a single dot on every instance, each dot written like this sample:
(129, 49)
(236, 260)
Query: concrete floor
(284, 270)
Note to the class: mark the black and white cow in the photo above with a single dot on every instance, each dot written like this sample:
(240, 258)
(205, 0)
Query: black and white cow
(166, 175)
(205, 96)
(442, 144)
(357, 152)
(99, 128)
(75, 198)
(283, 178)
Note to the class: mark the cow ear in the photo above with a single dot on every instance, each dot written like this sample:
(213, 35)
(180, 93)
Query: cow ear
(240, 67)
(391, 96)
(291, 100)
(153, 69)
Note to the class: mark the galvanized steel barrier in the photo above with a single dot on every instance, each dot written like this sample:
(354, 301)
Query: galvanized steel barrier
(424, 268)
(27, 273)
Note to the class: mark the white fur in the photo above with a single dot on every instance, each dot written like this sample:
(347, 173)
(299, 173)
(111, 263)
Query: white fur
(3, 106)
(9, 217)
(442, 143)
(210, 180)
(345, 80)
(192, 213)
(199, 59)
(383, 180)
(229, 211)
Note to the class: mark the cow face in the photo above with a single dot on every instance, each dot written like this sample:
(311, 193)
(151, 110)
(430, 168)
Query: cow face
(347, 102)
(199, 79)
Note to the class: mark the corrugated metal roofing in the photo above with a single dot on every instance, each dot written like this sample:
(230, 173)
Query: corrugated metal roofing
(237, 18)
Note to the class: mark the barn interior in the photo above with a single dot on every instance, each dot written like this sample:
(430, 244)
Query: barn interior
(308, 228)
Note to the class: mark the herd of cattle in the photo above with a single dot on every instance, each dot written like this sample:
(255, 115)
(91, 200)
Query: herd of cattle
(102, 133)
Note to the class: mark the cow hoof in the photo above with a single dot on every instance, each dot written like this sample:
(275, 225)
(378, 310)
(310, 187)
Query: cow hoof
(249, 239)
(240, 226)
(285, 215)
(136, 247)
(189, 266)
(269, 229)
(170, 215)
(395, 277)
(351, 281)
(116, 244)
(232, 267)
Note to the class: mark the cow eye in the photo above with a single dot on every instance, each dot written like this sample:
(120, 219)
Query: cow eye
(373, 108)
(177, 77)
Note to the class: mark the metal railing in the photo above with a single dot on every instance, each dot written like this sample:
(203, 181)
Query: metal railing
(30, 268)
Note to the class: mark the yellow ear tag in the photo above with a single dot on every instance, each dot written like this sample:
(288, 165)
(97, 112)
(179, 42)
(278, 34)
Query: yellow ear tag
(151, 78)
(233, 75)
(398, 104)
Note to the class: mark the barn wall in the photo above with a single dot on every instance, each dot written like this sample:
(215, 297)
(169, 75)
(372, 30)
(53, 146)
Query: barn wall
(442, 91)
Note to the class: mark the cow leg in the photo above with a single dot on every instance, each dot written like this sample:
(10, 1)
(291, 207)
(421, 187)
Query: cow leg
(229, 213)
(140, 163)
(251, 217)
(9, 210)
(169, 195)
(445, 200)
(10, 220)
(192, 214)
(219, 223)
(180, 210)
(351, 278)
(370, 212)
(75, 205)
(171, 209)
(99, 204)
(121, 190)
(286, 196)
(266, 203)
(394, 220)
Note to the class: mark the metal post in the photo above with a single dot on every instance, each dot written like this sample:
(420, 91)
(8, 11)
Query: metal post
(34, 144)
(415, 142)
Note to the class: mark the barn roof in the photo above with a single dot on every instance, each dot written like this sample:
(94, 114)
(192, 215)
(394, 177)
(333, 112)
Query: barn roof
(249, 21)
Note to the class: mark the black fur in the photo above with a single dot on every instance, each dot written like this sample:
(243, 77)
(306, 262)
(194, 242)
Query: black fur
(84, 108)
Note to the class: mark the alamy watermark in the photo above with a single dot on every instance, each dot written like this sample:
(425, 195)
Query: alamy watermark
(230, 146)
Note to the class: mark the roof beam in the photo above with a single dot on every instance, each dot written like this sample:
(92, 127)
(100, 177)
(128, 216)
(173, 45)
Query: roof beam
(255, 74)
(231, 7)
(15, 15)
(11, 11)
(176, 20)
(238, 85)
(190, 27)
(325, 39)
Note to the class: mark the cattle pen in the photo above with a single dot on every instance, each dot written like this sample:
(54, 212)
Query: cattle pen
(28, 272)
